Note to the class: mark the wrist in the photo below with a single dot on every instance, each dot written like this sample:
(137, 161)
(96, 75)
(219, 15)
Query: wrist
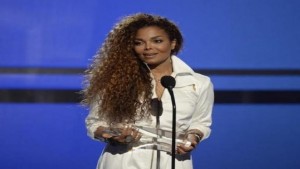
(198, 135)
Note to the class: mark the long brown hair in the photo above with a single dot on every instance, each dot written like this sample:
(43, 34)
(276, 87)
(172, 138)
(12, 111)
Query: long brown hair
(118, 81)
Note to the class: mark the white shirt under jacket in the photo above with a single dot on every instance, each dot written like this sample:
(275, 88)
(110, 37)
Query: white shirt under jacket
(194, 99)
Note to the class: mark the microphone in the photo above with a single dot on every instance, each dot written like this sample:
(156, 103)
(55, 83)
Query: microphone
(169, 83)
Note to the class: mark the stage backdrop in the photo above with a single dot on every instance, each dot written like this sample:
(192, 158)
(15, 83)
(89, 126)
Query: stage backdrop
(249, 48)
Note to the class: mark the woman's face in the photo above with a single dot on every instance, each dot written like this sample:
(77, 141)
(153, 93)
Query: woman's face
(153, 46)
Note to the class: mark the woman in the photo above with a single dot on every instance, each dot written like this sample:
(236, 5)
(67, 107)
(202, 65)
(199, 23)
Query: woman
(130, 109)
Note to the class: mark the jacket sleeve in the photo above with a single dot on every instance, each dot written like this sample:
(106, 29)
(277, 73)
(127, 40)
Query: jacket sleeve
(93, 121)
(202, 117)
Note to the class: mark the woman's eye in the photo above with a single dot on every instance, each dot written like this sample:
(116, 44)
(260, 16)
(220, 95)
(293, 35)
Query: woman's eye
(158, 41)
(137, 43)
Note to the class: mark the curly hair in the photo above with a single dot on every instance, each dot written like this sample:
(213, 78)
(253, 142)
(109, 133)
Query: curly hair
(117, 80)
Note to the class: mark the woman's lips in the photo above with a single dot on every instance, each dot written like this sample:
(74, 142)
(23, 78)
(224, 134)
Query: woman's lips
(149, 55)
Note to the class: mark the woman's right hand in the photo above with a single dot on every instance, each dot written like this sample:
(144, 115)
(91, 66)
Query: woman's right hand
(128, 135)
(124, 135)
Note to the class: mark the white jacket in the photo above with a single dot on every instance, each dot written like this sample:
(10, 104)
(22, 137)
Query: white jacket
(194, 99)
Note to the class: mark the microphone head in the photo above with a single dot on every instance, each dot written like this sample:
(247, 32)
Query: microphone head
(168, 82)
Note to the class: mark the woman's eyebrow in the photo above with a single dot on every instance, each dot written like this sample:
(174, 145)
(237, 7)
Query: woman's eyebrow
(159, 36)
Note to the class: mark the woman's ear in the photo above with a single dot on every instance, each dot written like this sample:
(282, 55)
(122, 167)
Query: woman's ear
(173, 44)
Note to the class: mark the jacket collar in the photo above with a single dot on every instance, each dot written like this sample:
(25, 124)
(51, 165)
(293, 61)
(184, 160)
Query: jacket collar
(180, 68)
(182, 73)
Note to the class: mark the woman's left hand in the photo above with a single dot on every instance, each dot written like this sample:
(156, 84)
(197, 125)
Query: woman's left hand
(185, 148)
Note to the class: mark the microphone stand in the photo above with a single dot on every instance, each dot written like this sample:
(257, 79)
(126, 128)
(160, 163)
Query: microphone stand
(173, 127)
(169, 82)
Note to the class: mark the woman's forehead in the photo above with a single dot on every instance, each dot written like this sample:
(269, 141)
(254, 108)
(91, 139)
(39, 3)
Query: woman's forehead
(151, 31)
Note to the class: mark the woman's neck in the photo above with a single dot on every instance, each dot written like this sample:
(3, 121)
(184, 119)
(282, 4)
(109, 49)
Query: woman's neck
(165, 68)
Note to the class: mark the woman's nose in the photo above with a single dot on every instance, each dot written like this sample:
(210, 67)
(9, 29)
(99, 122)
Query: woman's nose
(147, 46)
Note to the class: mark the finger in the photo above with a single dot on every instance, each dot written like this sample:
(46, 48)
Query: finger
(179, 150)
(123, 139)
(133, 137)
(194, 144)
(128, 135)
(129, 130)
(106, 135)
(186, 149)
(126, 131)
(137, 137)
(116, 139)
(135, 132)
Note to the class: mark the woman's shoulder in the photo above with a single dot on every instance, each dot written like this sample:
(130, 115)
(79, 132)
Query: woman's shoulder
(202, 81)
(193, 78)
(201, 78)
